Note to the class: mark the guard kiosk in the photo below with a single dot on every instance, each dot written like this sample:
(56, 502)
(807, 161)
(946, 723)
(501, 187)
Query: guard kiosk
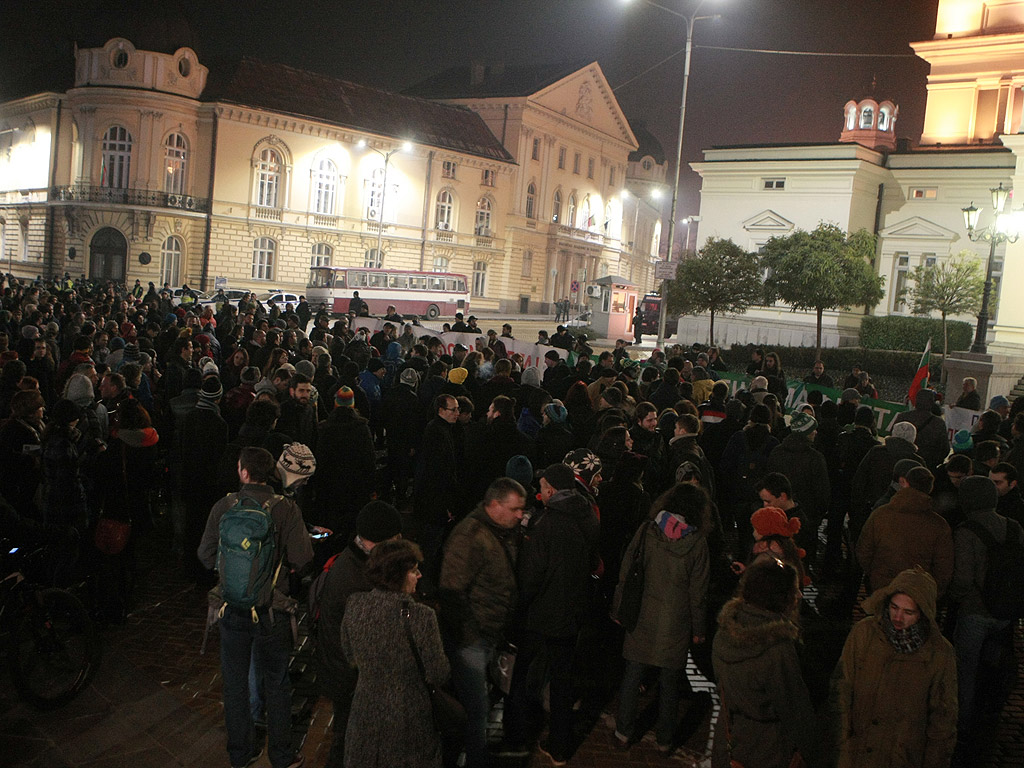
(615, 307)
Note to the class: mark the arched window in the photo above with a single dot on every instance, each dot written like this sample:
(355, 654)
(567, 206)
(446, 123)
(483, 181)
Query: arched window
(883, 119)
(867, 117)
(325, 186)
(443, 211)
(608, 215)
(556, 205)
(116, 159)
(373, 259)
(264, 252)
(322, 253)
(570, 215)
(268, 179)
(531, 201)
(586, 218)
(170, 261)
(483, 217)
(851, 118)
(175, 165)
(440, 264)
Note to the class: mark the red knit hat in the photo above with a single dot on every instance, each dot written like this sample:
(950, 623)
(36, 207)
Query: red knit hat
(772, 520)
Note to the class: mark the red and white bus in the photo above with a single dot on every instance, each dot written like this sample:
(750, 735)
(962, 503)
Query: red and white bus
(428, 294)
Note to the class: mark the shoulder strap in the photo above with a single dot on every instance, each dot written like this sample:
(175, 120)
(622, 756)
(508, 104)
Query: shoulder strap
(412, 646)
(983, 533)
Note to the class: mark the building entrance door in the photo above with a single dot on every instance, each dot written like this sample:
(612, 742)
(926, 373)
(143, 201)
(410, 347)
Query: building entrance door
(108, 255)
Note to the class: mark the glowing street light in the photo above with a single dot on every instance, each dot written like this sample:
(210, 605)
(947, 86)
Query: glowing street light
(1002, 230)
(405, 147)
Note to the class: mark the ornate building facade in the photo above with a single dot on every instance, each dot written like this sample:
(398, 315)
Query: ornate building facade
(153, 167)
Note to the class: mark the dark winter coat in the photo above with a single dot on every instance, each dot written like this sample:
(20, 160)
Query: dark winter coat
(970, 561)
(436, 479)
(758, 675)
(553, 442)
(874, 474)
(558, 554)
(391, 725)
(478, 579)
(932, 436)
(345, 462)
(201, 435)
(488, 448)
(807, 471)
(346, 577)
(674, 604)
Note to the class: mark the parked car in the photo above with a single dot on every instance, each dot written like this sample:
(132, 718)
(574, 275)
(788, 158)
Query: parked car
(279, 297)
(200, 296)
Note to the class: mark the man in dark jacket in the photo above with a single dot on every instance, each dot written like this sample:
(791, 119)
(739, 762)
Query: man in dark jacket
(478, 595)
(558, 555)
(932, 436)
(201, 436)
(807, 470)
(345, 576)
(436, 480)
(401, 424)
(556, 375)
(298, 415)
(344, 454)
(488, 447)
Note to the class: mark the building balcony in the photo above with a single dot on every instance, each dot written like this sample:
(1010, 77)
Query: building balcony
(148, 198)
(580, 234)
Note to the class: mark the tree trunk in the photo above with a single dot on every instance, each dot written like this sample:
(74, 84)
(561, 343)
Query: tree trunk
(711, 330)
(817, 339)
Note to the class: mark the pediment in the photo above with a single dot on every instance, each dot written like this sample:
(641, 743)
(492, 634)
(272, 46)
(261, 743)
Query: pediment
(917, 228)
(585, 96)
(768, 221)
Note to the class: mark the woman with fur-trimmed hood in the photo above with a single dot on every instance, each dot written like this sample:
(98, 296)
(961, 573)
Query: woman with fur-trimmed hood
(895, 684)
(766, 712)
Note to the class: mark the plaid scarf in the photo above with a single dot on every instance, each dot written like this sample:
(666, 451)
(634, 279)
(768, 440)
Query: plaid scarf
(905, 640)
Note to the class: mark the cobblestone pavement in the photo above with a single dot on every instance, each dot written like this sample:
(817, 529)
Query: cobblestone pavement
(156, 700)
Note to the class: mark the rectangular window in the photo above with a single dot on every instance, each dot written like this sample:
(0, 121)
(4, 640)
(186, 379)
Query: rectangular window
(576, 159)
(611, 176)
(929, 260)
(264, 250)
(773, 183)
(590, 168)
(479, 278)
(448, 169)
(899, 293)
(535, 154)
(527, 263)
(924, 193)
(488, 179)
(561, 158)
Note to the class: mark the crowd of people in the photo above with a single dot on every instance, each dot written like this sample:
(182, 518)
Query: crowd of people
(458, 509)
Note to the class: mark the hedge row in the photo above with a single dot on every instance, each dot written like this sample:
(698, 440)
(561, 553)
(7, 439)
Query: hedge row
(912, 333)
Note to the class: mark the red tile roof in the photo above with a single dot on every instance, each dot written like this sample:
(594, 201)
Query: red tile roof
(279, 88)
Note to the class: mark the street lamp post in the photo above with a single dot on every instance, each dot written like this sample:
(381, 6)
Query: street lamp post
(994, 235)
(691, 19)
(406, 146)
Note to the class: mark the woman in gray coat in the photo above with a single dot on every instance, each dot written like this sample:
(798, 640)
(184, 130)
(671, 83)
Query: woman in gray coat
(391, 724)
(672, 610)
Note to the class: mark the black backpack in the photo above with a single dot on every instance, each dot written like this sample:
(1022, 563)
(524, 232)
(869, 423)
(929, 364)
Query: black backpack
(1004, 573)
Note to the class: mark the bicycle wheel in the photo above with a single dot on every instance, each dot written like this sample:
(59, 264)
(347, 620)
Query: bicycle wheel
(54, 649)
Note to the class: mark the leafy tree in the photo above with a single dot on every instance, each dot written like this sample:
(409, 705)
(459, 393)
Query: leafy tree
(823, 269)
(952, 288)
(720, 277)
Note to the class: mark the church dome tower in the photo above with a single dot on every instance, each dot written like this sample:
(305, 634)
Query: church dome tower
(870, 122)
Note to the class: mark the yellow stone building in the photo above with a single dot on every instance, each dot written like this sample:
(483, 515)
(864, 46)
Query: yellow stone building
(153, 167)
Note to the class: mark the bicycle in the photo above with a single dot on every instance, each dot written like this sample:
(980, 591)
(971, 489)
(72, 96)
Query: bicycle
(52, 647)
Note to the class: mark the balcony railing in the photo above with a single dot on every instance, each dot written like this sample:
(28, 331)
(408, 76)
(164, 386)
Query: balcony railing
(88, 193)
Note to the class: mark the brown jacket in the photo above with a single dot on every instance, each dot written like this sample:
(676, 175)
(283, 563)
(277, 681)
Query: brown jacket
(904, 533)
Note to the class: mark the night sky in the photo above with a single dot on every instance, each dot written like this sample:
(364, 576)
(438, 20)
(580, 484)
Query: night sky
(735, 98)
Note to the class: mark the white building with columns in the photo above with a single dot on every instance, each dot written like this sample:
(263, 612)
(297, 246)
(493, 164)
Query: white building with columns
(910, 194)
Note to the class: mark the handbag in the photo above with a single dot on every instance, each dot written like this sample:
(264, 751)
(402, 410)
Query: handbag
(449, 715)
(633, 587)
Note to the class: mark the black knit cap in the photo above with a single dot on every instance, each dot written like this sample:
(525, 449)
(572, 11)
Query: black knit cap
(378, 521)
(560, 477)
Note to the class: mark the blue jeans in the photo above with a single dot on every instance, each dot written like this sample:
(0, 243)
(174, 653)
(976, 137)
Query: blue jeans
(668, 702)
(968, 639)
(266, 645)
(469, 675)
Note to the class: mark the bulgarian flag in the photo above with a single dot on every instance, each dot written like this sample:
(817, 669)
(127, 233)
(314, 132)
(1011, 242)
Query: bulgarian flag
(921, 377)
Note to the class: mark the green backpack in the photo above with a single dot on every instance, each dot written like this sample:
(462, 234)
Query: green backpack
(246, 553)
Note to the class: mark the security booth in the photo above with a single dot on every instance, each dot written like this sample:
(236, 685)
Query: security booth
(615, 307)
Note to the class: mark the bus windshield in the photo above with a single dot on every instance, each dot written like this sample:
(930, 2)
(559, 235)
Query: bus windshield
(326, 277)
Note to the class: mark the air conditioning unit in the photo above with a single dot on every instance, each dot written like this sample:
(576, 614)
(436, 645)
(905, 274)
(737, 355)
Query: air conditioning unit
(444, 225)
(174, 201)
(594, 291)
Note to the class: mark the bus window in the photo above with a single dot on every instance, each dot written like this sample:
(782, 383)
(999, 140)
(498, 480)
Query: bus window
(449, 284)
(378, 280)
(398, 281)
(320, 278)
(461, 286)
(357, 280)
(436, 283)
(417, 283)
